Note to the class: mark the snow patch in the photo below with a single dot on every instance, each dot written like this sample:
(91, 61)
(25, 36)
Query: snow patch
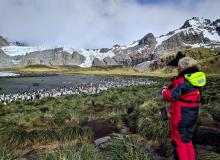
(123, 47)
(167, 36)
(90, 55)
(162, 38)
(133, 44)
(20, 50)
(8, 74)
(197, 22)
(197, 45)
(15, 62)
(213, 36)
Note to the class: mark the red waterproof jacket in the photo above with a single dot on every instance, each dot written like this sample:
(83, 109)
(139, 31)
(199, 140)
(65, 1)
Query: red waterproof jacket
(184, 101)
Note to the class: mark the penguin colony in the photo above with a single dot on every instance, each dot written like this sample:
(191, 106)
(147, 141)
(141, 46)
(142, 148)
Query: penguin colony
(87, 88)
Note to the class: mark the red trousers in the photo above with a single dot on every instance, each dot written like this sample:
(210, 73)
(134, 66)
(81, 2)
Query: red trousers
(182, 151)
(181, 124)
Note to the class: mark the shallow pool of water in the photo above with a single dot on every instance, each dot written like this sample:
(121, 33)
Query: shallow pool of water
(21, 84)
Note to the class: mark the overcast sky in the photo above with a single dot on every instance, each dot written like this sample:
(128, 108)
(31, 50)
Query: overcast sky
(96, 23)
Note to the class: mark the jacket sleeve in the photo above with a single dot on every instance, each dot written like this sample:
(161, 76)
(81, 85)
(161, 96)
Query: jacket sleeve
(171, 95)
(166, 95)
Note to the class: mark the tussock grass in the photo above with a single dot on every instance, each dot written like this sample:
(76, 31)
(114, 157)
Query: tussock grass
(200, 53)
(53, 119)
(37, 66)
(206, 155)
(19, 137)
(4, 154)
(146, 117)
(59, 119)
(84, 152)
(127, 148)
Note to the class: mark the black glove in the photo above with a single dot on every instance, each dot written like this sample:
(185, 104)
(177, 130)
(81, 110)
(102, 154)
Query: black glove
(164, 114)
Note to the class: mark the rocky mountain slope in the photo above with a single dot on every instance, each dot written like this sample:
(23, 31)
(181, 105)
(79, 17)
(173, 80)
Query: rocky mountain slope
(3, 42)
(5, 60)
(141, 55)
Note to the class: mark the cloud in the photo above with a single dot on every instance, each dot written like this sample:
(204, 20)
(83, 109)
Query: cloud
(96, 23)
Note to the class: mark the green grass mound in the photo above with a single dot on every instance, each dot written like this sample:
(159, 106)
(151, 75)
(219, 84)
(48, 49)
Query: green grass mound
(18, 137)
(4, 154)
(84, 152)
(206, 155)
(127, 148)
(37, 66)
(200, 53)
(209, 59)
(149, 121)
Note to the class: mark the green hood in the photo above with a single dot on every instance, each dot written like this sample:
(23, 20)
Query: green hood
(197, 79)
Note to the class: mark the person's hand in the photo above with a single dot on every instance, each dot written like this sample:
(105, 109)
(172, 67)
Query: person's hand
(163, 89)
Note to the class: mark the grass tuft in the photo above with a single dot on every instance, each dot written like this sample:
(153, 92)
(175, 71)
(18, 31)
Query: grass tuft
(84, 152)
(126, 148)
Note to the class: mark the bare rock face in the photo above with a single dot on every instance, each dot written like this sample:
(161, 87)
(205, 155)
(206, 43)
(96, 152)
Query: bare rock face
(75, 58)
(144, 66)
(5, 60)
(178, 40)
(136, 53)
(218, 29)
(110, 61)
(98, 62)
(156, 64)
(3, 42)
(104, 50)
(162, 61)
(54, 57)
(123, 59)
(217, 25)
(149, 40)
(131, 56)
(138, 57)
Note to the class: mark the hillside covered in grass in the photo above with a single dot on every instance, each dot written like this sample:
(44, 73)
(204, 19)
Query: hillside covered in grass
(66, 127)
(209, 59)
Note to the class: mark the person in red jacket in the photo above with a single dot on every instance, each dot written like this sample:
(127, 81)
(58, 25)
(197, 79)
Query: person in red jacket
(184, 94)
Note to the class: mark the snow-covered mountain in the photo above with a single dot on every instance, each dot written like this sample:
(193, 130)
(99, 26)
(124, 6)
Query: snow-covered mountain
(55, 55)
(195, 32)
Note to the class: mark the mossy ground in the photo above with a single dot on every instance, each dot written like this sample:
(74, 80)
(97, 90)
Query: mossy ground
(50, 125)
(209, 59)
